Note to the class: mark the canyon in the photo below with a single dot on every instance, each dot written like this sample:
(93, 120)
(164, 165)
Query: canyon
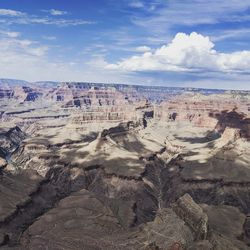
(113, 166)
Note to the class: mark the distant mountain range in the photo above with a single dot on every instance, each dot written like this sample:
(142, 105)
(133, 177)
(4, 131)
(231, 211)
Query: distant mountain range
(118, 86)
(16, 82)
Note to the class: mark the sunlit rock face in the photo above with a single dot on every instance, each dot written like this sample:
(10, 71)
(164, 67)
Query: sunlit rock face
(20, 93)
(204, 110)
(123, 167)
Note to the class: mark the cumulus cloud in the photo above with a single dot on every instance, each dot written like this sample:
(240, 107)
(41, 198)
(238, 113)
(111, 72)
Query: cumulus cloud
(29, 60)
(187, 52)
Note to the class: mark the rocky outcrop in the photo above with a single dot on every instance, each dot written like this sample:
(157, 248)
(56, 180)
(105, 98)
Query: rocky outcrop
(80, 221)
(193, 215)
(230, 135)
(216, 111)
(123, 167)
(3, 163)
(20, 93)
(122, 128)
(15, 190)
(10, 139)
(246, 228)
(204, 245)
(225, 226)
(234, 120)
(166, 232)
(6, 93)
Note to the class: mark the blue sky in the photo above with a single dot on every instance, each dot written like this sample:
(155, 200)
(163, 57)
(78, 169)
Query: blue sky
(173, 42)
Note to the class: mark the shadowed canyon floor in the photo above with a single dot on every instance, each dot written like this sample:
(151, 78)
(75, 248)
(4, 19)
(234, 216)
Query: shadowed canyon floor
(118, 167)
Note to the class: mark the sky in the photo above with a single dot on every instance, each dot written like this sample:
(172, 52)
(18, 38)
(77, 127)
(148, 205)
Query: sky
(188, 43)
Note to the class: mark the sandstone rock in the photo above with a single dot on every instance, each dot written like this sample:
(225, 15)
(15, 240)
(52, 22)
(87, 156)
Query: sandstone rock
(193, 215)
(166, 231)
(226, 226)
(17, 188)
(132, 172)
(80, 221)
(3, 163)
(220, 242)
(1, 238)
(206, 111)
(233, 119)
(247, 226)
(152, 246)
(201, 245)
(11, 138)
(176, 246)
(224, 219)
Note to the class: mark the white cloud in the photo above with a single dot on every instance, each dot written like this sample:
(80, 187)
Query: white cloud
(232, 33)
(8, 16)
(143, 49)
(11, 13)
(54, 12)
(191, 53)
(10, 34)
(21, 47)
(48, 21)
(192, 12)
(49, 38)
(29, 60)
(136, 4)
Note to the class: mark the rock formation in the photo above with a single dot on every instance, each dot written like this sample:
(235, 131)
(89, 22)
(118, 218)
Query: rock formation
(97, 166)
(193, 215)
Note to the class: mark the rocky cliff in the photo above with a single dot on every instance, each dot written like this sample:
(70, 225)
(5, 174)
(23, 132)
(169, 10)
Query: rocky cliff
(91, 166)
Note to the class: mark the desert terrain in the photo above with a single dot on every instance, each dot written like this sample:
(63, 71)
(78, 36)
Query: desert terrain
(112, 166)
